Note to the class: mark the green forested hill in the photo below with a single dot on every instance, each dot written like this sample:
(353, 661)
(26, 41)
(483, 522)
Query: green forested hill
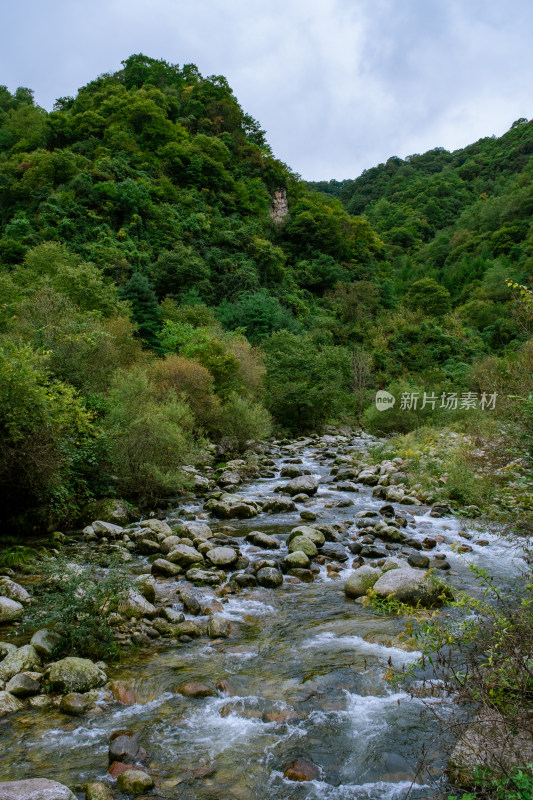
(463, 218)
(153, 307)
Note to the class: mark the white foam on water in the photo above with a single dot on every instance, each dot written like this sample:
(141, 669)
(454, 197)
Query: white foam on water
(368, 712)
(213, 733)
(94, 730)
(381, 790)
(237, 608)
(398, 657)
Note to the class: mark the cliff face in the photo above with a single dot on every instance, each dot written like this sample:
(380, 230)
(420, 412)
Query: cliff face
(279, 209)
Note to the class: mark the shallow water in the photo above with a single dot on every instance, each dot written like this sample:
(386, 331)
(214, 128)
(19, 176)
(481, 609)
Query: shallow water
(305, 668)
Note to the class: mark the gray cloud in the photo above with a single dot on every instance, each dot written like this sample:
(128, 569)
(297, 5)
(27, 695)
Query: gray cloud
(339, 85)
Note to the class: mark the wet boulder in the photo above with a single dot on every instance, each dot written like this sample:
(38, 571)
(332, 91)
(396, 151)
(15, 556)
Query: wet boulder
(296, 560)
(106, 530)
(10, 610)
(76, 704)
(98, 791)
(260, 539)
(195, 689)
(418, 560)
(305, 484)
(196, 530)
(35, 789)
(409, 586)
(23, 659)
(302, 769)
(304, 575)
(219, 627)
(389, 533)
(229, 478)
(164, 568)
(9, 704)
(335, 551)
(291, 471)
(157, 526)
(233, 506)
(368, 477)
(169, 543)
(125, 748)
(185, 556)
(244, 580)
(146, 586)
(222, 557)
(134, 781)
(13, 591)
(279, 505)
(135, 605)
(304, 544)
(196, 575)
(75, 675)
(24, 684)
(360, 581)
(45, 642)
(269, 577)
(313, 534)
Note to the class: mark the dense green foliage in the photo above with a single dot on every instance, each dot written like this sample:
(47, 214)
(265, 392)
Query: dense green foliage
(151, 306)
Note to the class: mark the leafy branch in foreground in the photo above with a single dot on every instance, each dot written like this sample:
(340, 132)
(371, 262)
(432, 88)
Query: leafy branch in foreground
(77, 600)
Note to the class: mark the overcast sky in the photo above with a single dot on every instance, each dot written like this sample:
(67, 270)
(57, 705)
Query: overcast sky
(339, 85)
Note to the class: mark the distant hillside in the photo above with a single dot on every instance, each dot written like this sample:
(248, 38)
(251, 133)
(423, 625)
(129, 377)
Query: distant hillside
(464, 218)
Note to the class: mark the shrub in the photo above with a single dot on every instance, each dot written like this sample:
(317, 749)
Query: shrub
(47, 438)
(243, 420)
(77, 600)
(190, 381)
(306, 384)
(150, 439)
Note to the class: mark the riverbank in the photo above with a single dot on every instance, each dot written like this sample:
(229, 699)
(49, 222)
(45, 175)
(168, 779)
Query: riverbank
(237, 636)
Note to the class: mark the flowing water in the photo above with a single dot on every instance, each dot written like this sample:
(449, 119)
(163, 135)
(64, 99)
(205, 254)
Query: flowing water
(305, 671)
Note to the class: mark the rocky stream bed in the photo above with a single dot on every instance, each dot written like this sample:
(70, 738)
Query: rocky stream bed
(258, 667)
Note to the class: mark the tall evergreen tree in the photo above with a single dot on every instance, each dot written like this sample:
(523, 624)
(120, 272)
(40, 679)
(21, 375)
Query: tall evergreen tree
(145, 309)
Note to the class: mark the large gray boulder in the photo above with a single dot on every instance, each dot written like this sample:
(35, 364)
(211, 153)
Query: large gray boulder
(165, 568)
(170, 543)
(314, 535)
(135, 605)
(261, 539)
(233, 506)
(45, 642)
(360, 581)
(411, 586)
(269, 577)
(279, 505)
(8, 705)
(24, 658)
(196, 530)
(304, 544)
(106, 529)
(488, 744)
(25, 684)
(183, 555)
(10, 610)
(14, 591)
(75, 675)
(222, 556)
(6, 648)
(296, 560)
(157, 526)
(305, 484)
(35, 789)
